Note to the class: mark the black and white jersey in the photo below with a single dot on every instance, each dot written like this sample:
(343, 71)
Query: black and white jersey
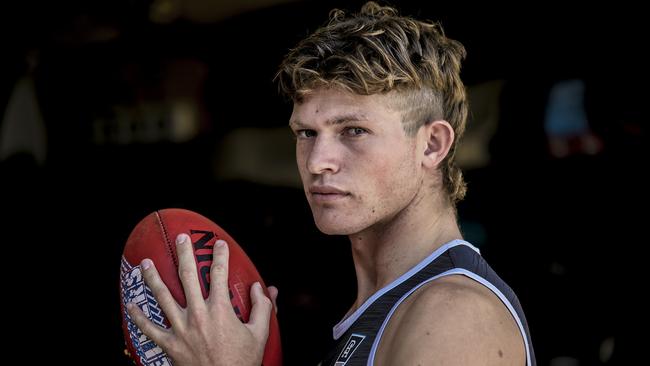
(359, 334)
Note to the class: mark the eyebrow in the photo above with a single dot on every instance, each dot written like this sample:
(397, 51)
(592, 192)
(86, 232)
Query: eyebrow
(337, 120)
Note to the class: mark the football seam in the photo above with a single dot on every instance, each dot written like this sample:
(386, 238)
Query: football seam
(167, 241)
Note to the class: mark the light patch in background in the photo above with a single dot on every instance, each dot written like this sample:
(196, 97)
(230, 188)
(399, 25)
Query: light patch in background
(22, 129)
(606, 349)
(482, 122)
(566, 124)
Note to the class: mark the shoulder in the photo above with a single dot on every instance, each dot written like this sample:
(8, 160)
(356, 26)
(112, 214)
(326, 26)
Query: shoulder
(453, 321)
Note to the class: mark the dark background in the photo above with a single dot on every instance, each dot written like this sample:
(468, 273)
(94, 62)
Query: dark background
(564, 232)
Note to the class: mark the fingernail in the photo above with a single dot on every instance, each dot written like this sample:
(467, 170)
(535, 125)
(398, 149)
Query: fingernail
(129, 306)
(146, 264)
(220, 243)
(181, 238)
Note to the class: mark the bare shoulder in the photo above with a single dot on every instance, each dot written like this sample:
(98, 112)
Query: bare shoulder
(452, 321)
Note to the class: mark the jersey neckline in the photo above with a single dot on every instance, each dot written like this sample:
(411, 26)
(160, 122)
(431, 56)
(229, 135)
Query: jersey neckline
(340, 328)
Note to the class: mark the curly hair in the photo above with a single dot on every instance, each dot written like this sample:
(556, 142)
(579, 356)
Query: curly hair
(377, 51)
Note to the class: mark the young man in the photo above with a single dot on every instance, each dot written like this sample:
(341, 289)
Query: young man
(379, 108)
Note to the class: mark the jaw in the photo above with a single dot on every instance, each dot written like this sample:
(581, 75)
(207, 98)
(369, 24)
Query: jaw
(329, 221)
(336, 219)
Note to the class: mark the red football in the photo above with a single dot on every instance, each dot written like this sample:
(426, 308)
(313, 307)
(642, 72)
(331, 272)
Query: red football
(154, 237)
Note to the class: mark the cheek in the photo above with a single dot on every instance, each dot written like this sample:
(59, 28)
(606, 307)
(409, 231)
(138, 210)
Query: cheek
(394, 180)
(301, 158)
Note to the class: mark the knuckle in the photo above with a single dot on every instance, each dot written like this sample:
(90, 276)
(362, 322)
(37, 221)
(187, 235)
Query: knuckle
(135, 317)
(186, 273)
(197, 319)
(144, 325)
(218, 267)
(173, 348)
(266, 302)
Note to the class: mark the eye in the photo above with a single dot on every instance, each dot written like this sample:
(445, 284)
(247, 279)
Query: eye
(305, 134)
(355, 131)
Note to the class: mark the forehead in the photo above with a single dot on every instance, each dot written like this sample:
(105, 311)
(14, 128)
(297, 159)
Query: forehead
(329, 104)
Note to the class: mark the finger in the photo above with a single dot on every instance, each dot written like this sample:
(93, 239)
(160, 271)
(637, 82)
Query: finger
(219, 273)
(156, 333)
(258, 322)
(273, 292)
(187, 271)
(160, 291)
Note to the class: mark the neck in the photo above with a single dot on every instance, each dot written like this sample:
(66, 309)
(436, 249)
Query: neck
(387, 250)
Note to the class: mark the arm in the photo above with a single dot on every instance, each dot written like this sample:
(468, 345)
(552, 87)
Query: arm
(207, 331)
(453, 321)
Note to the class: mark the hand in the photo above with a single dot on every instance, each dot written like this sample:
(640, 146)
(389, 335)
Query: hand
(207, 331)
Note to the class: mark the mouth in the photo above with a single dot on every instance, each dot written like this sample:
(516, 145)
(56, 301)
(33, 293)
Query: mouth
(327, 193)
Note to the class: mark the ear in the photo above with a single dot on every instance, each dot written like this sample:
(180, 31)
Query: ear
(437, 138)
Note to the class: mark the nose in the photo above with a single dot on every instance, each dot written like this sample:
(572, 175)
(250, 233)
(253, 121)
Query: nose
(324, 157)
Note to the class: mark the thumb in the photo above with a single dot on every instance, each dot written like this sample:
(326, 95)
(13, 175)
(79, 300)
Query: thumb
(273, 292)
(258, 322)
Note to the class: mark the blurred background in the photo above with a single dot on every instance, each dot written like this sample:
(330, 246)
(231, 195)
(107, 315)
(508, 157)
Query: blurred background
(113, 109)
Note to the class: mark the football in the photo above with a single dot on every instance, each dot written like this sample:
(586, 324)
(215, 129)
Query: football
(154, 238)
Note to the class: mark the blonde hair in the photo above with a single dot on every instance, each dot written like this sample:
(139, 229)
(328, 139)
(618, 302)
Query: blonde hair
(377, 51)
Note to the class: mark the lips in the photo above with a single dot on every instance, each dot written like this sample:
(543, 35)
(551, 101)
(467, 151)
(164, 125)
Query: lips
(326, 190)
(327, 193)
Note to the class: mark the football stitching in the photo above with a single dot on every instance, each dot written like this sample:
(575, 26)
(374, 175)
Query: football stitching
(167, 241)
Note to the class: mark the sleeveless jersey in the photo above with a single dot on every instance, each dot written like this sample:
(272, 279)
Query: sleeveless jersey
(357, 336)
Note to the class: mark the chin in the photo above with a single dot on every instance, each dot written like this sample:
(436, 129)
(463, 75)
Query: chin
(336, 227)
(330, 230)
